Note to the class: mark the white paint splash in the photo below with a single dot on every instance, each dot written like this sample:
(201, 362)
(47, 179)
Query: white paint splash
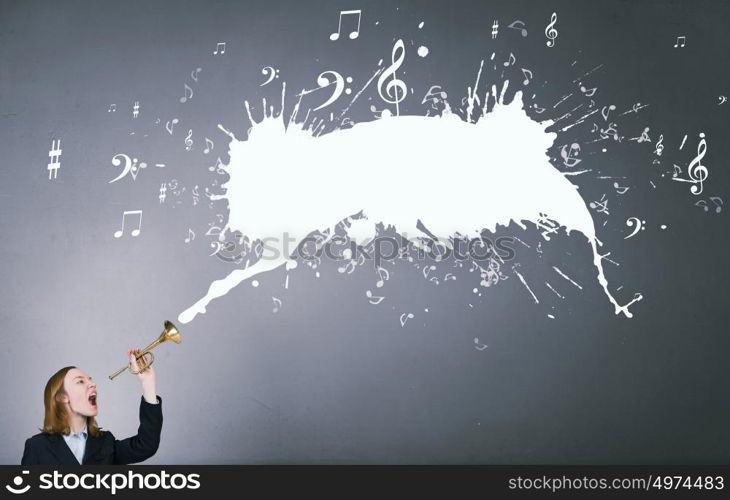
(457, 177)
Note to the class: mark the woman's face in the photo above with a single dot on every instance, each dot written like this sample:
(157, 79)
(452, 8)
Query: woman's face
(80, 393)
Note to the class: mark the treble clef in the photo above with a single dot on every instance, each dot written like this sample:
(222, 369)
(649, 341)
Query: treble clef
(696, 170)
(395, 89)
(550, 30)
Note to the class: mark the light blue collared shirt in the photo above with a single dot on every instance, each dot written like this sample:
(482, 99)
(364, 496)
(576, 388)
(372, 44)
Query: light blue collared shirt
(77, 443)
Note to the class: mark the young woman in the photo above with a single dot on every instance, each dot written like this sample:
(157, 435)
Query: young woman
(70, 434)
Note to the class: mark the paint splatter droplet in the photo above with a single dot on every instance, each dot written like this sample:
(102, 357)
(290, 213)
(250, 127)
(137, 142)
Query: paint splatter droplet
(423, 51)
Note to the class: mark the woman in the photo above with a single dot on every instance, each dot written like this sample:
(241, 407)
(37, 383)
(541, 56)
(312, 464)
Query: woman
(70, 434)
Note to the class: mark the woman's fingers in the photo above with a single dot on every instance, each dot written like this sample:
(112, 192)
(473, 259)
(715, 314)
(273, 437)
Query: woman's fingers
(137, 365)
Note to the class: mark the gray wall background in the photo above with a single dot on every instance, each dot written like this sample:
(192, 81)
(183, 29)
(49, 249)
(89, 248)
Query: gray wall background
(330, 378)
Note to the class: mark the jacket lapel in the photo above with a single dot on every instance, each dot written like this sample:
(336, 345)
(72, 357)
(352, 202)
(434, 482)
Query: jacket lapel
(92, 446)
(61, 451)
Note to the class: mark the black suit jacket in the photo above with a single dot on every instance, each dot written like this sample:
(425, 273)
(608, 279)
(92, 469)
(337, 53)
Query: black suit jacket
(51, 449)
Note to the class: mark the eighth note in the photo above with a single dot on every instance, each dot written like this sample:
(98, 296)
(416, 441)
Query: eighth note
(277, 304)
(222, 47)
(185, 97)
(405, 317)
(522, 29)
(718, 206)
(136, 231)
(169, 126)
(371, 298)
(527, 78)
(684, 39)
(353, 34)
(208, 148)
(191, 236)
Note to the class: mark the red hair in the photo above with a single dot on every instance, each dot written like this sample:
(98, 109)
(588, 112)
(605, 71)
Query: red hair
(56, 420)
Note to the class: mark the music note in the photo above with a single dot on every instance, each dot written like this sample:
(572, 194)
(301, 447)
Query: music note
(353, 34)
(427, 269)
(220, 47)
(404, 318)
(715, 199)
(703, 204)
(570, 157)
(277, 304)
(185, 97)
(195, 72)
(477, 345)
(191, 236)
(550, 30)
(395, 85)
(620, 189)
(510, 61)
(382, 279)
(377, 299)
(217, 166)
(136, 231)
(522, 29)
(605, 113)
(683, 39)
(588, 92)
(211, 231)
(208, 146)
(169, 126)
(112, 108)
(696, 170)
(527, 78)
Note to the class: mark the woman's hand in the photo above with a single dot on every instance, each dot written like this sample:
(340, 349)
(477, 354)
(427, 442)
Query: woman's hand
(146, 375)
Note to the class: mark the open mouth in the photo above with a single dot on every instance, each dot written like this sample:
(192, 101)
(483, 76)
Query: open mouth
(92, 400)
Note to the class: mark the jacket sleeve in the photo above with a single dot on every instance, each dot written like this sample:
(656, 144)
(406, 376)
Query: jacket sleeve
(29, 456)
(142, 446)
